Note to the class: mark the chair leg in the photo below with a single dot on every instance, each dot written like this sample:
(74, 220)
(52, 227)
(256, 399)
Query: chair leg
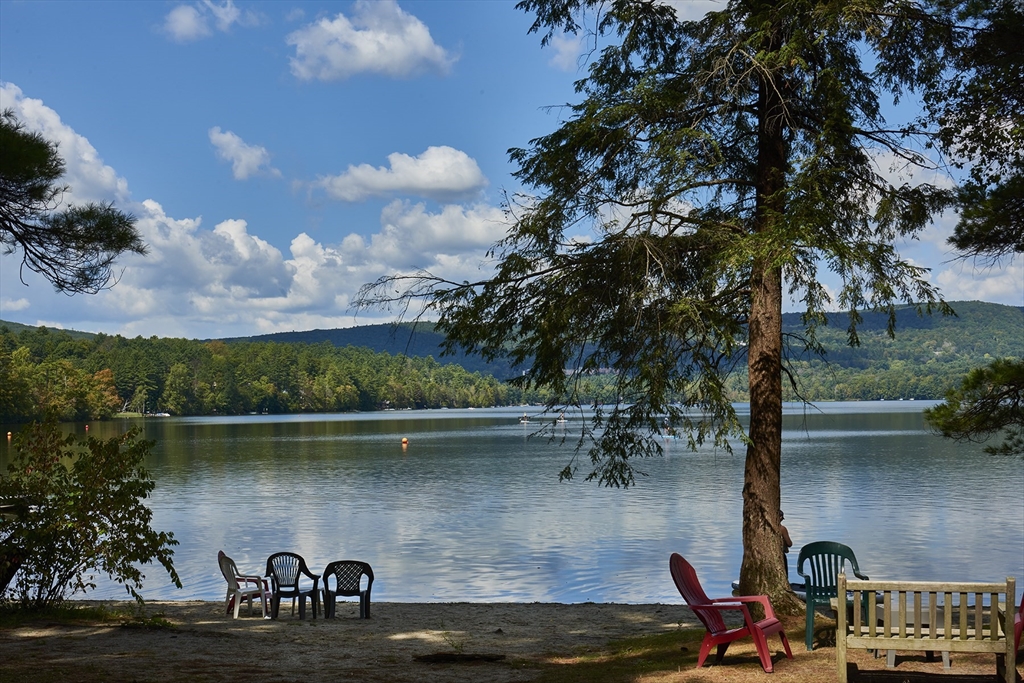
(238, 603)
(722, 647)
(705, 648)
(809, 635)
(364, 606)
(785, 644)
(763, 653)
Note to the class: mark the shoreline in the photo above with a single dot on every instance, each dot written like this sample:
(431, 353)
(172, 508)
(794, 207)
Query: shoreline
(194, 641)
(204, 644)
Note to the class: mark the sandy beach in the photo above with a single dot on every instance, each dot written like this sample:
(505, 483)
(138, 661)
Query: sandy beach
(493, 642)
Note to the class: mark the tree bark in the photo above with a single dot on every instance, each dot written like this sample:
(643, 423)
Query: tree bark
(763, 570)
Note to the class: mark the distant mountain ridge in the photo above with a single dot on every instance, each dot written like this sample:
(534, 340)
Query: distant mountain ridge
(984, 328)
(415, 340)
(422, 340)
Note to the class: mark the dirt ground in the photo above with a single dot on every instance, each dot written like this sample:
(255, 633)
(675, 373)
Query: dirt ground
(523, 640)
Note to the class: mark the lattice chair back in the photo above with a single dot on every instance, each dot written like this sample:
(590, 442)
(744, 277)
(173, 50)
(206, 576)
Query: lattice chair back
(348, 575)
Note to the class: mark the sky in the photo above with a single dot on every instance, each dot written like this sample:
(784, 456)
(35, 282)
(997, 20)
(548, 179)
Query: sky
(279, 155)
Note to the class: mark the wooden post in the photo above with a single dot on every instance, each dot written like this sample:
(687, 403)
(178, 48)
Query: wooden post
(1009, 667)
(841, 626)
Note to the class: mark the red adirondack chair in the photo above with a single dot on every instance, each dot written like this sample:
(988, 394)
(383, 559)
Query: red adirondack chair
(710, 614)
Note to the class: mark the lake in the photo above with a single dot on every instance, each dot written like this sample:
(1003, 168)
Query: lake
(472, 510)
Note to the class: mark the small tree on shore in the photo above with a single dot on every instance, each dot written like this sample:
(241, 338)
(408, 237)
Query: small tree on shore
(79, 510)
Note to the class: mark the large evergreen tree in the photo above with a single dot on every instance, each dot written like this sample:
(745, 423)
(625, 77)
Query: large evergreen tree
(711, 167)
(74, 247)
(979, 105)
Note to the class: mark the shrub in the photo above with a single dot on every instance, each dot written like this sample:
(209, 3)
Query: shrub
(79, 510)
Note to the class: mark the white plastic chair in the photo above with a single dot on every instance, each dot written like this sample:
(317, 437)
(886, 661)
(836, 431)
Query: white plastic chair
(242, 587)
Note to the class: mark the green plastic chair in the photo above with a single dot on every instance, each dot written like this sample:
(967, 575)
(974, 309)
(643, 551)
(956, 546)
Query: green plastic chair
(825, 560)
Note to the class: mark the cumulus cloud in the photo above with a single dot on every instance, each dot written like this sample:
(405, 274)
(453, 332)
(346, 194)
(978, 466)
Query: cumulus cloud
(441, 173)
(89, 178)
(694, 10)
(379, 38)
(186, 23)
(226, 281)
(13, 304)
(229, 282)
(567, 49)
(246, 160)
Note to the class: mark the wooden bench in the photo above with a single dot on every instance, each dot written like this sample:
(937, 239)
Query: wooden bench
(927, 616)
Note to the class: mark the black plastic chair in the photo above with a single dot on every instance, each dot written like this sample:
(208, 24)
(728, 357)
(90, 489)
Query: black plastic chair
(347, 575)
(285, 571)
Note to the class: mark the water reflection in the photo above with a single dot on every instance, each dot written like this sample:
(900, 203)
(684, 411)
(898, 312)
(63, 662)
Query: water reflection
(472, 510)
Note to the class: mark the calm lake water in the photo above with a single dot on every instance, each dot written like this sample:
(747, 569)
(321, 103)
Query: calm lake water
(473, 510)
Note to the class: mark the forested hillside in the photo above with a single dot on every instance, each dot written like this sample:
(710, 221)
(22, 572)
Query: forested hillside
(92, 378)
(367, 368)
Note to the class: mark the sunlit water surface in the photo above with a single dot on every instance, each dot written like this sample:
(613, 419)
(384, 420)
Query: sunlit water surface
(472, 510)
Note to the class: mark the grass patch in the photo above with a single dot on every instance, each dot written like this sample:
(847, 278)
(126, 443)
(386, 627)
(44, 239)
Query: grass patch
(627, 660)
(72, 614)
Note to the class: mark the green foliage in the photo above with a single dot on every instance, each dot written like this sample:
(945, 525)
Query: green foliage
(92, 378)
(990, 400)
(705, 160)
(979, 103)
(74, 247)
(709, 167)
(81, 511)
(41, 369)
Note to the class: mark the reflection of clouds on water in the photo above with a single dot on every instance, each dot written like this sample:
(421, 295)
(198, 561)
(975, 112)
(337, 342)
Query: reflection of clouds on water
(473, 511)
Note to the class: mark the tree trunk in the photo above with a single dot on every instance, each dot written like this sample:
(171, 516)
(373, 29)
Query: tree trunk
(763, 570)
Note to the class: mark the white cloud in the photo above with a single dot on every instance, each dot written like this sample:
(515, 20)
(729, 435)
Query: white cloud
(380, 38)
(441, 173)
(411, 237)
(567, 49)
(246, 160)
(89, 178)
(228, 282)
(186, 23)
(694, 10)
(198, 282)
(963, 281)
(13, 304)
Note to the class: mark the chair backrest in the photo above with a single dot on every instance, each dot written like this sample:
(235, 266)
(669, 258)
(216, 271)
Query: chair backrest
(825, 560)
(228, 569)
(685, 577)
(347, 575)
(285, 568)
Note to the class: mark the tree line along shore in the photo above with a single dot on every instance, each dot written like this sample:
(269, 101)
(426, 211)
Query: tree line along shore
(95, 376)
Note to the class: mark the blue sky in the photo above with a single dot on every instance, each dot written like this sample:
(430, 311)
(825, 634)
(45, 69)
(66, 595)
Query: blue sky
(280, 154)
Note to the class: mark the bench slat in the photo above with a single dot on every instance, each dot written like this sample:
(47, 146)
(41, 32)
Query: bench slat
(977, 628)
